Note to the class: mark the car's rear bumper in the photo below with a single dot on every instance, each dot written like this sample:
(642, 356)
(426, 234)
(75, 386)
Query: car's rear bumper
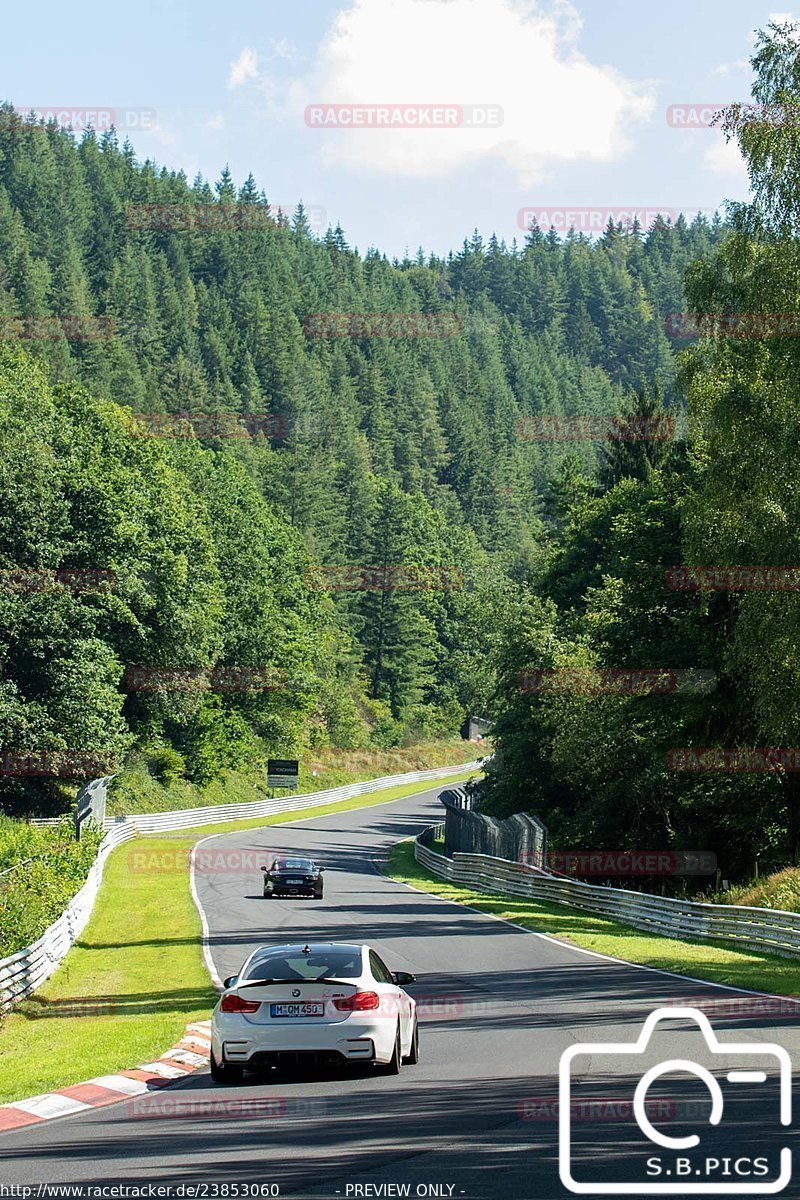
(347, 1041)
(287, 1059)
(306, 890)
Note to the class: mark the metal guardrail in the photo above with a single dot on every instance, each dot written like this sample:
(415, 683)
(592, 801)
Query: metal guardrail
(23, 972)
(90, 805)
(219, 813)
(25, 862)
(773, 931)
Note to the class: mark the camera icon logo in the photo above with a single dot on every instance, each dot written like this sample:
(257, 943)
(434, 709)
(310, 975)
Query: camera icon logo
(682, 1167)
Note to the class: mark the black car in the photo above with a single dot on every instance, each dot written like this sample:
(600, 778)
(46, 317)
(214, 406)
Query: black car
(293, 877)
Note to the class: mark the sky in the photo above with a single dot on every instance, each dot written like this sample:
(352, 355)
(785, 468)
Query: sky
(484, 112)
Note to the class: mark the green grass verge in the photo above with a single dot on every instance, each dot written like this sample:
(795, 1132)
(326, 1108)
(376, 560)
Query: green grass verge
(703, 960)
(134, 790)
(136, 977)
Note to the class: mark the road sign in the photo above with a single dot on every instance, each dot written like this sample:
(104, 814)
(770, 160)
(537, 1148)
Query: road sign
(283, 772)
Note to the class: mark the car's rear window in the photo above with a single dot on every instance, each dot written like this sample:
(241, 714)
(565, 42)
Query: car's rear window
(319, 964)
(293, 864)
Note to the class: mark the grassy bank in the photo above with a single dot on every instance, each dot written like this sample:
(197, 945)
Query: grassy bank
(56, 866)
(135, 978)
(781, 890)
(41, 869)
(136, 791)
(703, 960)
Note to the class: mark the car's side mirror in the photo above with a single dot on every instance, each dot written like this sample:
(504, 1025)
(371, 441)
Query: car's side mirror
(229, 982)
(321, 870)
(263, 868)
(402, 978)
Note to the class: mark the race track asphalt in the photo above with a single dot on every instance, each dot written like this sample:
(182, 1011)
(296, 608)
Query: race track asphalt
(477, 1117)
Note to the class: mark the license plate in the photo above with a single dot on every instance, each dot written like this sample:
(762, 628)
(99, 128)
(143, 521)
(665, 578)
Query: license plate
(295, 882)
(309, 1009)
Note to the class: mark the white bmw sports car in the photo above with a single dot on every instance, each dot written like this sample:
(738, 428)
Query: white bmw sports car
(329, 1002)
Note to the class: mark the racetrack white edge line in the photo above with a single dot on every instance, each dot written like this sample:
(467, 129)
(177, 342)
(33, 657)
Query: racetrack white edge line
(206, 931)
(725, 987)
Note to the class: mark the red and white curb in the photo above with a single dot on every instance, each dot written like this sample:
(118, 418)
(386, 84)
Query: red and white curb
(191, 1053)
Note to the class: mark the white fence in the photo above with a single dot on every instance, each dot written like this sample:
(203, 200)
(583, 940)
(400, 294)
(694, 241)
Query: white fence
(24, 971)
(217, 813)
(770, 930)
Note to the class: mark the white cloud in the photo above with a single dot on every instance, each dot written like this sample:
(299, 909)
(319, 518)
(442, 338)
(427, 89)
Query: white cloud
(725, 158)
(216, 122)
(732, 68)
(245, 67)
(558, 107)
(282, 49)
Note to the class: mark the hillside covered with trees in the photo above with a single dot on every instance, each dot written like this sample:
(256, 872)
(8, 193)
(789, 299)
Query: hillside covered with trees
(304, 446)
(706, 757)
(299, 455)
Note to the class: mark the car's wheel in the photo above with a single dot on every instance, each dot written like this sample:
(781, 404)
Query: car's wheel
(413, 1055)
(318, 897)
(225, 1073)
(393, 1065)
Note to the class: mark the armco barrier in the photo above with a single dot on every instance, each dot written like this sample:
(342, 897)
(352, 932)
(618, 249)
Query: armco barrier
(769, 930)
(24, 971)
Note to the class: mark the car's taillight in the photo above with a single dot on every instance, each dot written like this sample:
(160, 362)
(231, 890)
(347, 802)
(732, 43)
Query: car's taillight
(359, 1002)
(234, 1003)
